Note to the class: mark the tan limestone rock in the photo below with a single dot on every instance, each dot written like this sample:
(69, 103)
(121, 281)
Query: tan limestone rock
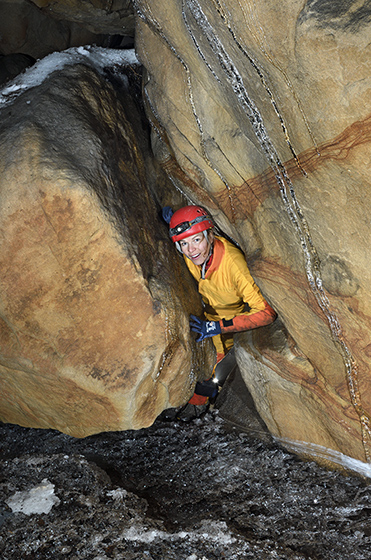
(94, 303)
(266, 107)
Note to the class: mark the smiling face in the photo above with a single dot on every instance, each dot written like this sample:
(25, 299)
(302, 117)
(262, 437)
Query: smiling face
(196, 247)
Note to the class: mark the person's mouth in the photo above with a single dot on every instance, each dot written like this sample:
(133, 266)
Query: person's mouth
(194, 257)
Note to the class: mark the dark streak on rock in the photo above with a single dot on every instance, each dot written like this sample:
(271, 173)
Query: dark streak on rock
(345, 15)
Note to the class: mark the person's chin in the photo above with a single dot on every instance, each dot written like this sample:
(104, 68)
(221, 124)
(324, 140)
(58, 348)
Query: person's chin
(199, 260)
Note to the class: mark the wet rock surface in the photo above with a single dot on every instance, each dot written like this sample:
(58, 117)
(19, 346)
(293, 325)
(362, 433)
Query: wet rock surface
(178, 491)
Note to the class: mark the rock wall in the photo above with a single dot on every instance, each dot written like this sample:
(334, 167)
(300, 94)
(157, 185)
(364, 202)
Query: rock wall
(94, 303)
(266, 108)
(31, 30)
(26, 29)
(99, 16)
(259, 111)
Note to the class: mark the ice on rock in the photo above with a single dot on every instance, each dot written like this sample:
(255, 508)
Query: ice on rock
(117, 494)
(95, 57)
(39, 499)
(212, 531)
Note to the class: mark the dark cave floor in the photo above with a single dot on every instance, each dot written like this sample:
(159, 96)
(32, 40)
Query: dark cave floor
(199, 491)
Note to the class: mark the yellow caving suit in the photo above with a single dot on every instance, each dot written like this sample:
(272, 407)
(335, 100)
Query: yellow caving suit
(230, 295)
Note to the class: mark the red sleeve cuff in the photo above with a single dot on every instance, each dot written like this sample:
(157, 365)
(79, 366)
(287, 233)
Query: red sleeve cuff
(242, 323)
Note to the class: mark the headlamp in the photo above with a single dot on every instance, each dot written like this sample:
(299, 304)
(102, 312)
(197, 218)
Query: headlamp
(184, 226)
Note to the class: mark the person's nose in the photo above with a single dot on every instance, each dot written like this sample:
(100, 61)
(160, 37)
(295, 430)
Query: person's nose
(191, 248)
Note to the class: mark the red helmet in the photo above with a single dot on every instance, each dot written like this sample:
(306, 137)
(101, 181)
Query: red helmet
(189, 220)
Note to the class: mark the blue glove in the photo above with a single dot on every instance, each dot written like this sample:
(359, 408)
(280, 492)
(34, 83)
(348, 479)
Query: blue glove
(204, 328)
(167, 212)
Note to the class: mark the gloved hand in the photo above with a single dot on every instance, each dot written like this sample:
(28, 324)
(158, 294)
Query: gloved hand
(167, 212)
(204, 328)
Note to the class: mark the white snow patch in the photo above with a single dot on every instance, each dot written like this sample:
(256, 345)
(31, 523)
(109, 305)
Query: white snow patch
(95, 57)
(321, 452)
(39, 499)
(117, 494)
(212, 531)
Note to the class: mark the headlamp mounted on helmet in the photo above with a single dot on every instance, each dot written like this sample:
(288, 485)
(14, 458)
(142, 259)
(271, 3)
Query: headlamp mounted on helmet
(189, 220)
(185, 226)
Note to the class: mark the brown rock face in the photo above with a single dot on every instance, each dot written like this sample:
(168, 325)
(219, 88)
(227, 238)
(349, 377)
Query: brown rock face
(266, 108)
(94, 303)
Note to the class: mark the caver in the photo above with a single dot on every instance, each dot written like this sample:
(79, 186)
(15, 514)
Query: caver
(232, 301)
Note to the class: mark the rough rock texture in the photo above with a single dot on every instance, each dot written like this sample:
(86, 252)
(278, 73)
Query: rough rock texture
(94, 303)
(99, 16)
(174, 491)
(13, 64)
(25, 29)
(266, 107)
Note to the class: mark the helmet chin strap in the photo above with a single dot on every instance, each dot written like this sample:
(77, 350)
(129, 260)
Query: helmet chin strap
(203, 269)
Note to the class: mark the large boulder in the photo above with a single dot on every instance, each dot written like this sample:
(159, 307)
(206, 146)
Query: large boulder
(266, 108)
(94, 302)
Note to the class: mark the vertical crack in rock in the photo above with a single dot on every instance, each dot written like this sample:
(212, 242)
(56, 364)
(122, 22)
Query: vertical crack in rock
(263, 80)
(152, 23)
(265, 51)
(312, 265)
(257, 69)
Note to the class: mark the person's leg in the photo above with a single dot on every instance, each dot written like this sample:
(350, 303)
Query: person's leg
(203, 390)
(223, 343)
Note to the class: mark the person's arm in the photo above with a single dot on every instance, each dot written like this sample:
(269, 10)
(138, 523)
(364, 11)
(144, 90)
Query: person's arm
(239, 323)
(245, 322)
(259, 313)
